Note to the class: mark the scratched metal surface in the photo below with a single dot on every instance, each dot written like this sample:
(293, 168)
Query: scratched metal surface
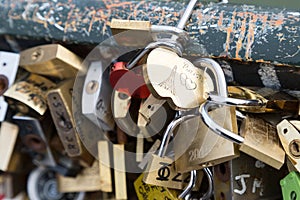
(237, 31)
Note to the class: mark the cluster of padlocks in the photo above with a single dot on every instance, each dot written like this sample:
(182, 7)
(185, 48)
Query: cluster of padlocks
(141, 117)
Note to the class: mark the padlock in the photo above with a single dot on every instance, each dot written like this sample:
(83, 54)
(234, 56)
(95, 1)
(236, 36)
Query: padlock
(204, 150)
(86, 181)
(161, 171)
(29, 92)
(290, 140)
(154, 116)
(121, 104)
(89, 132)
(170, 76)
(36, 136)
(139, 32)
(149, 192)
(42, 184)
(273, 100)
(96, 96)
(130, 77)
(148, 155)
(261, 141)
(290, 186)
(60, 104)
(51, 60)
(9, 63)
(247, 178)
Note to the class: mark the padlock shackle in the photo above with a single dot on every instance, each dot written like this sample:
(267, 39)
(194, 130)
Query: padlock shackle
(190, 185)
(187, 14)
(209, 191)
(187, 191)
(218, 73)
(152, 46)
(216, 128)
(236, 102)
(167, 134)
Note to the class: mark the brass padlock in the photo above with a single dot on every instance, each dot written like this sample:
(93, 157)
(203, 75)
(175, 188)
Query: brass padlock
(273, 100)
(51, 60)
(154, 116)
(60, 104)
(205, 149)
(121, 112)
(161, 171)
(170, 76)
(30, 92)
(261, 141)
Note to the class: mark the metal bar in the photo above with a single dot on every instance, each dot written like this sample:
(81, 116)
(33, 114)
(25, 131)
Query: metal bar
(236, 31)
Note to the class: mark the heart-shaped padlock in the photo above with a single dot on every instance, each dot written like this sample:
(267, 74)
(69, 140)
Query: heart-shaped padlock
(170, 76)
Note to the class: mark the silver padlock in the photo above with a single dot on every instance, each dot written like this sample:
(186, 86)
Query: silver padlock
(96, 96)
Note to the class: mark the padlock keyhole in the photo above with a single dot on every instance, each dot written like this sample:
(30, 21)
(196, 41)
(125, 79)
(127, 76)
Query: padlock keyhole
(295, 147)
(293, 195)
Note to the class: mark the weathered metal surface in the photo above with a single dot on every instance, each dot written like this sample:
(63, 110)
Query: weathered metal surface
(236, 31)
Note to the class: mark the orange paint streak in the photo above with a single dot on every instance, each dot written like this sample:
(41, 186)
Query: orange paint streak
(239, 43)
(220, 21)
(118, 5)
(229, 32)
(92, 21)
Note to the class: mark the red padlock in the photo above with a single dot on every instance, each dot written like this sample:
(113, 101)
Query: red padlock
(127, 81)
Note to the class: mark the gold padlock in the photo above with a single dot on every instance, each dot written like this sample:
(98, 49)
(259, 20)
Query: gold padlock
(177, 79)
(51, 60)
(206, 149)
(31, 92)
(272, 100)
(261, 141)
(161, 171)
